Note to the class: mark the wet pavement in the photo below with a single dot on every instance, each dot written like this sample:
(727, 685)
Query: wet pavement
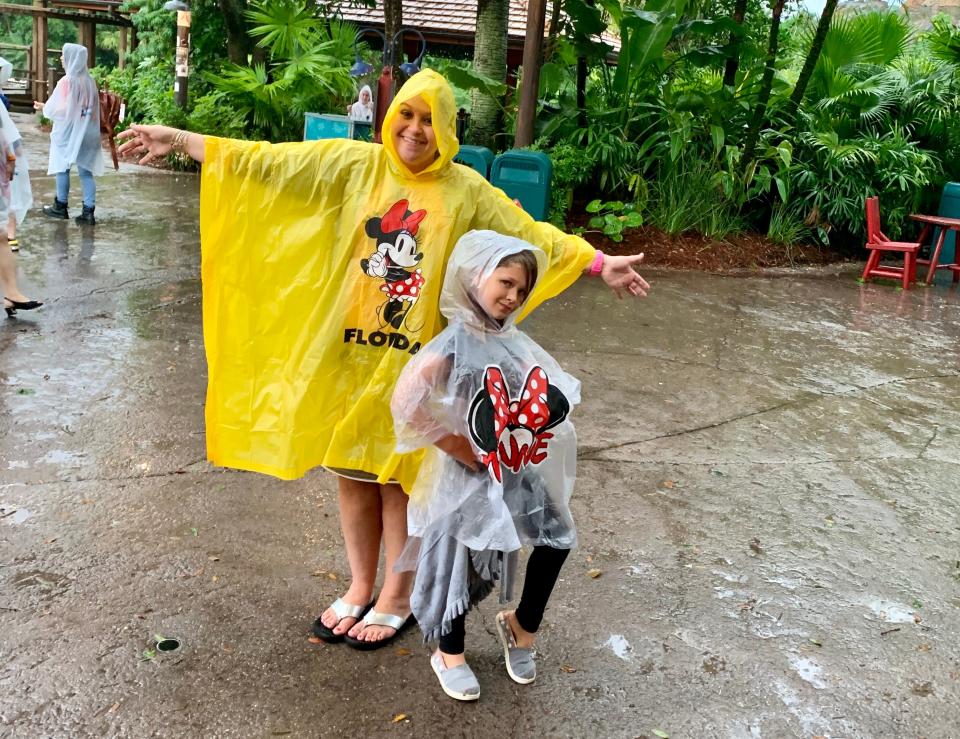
(767, 507)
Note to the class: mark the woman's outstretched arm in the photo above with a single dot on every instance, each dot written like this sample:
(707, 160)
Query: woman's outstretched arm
(158, 141)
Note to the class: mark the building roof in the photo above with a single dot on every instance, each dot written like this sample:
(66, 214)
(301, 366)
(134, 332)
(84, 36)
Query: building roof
(456, 19)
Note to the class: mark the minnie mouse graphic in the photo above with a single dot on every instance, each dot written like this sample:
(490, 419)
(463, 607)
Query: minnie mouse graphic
(394, 259)
(513, 433)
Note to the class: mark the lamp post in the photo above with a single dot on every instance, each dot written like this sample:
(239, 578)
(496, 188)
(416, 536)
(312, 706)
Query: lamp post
(385, 83)
(182, 59)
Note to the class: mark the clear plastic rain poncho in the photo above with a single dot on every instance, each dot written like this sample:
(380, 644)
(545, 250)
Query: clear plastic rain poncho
(495, 386)
(21, 196)
(74, 108)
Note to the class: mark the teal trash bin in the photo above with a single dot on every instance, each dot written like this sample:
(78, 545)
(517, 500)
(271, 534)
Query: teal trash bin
(525, 176)
(318, 126)
(949, 208)
(479, 158)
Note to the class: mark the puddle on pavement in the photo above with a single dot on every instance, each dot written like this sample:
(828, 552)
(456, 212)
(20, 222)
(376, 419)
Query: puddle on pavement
(890, 611)
(62, 458)
(19, 516)
(619, 645)
(808, 670)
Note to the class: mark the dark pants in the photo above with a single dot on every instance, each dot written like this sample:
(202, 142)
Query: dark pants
(543, 569)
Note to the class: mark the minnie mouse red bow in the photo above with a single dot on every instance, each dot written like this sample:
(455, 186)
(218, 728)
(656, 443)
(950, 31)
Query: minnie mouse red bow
(530, 411)
(398, 217)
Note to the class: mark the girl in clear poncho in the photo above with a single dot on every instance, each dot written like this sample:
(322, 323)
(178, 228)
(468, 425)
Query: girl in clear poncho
(492, 407)
(74, 108)
(21, 197)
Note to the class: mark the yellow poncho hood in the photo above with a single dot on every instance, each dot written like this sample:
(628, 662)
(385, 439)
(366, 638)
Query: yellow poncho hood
(437, 94)
(322, 264)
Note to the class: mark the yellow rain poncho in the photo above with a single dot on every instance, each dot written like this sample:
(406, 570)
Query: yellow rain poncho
(322, 266)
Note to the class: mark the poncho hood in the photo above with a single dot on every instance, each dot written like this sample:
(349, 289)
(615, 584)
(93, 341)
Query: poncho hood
(75, 60)
(437, 93)
(473, 260)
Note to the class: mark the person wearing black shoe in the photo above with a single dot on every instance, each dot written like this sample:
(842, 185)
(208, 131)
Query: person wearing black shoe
(13, 299)
(21, 197)
(74, 108)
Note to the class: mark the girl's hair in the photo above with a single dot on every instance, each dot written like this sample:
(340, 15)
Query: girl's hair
(528, 261)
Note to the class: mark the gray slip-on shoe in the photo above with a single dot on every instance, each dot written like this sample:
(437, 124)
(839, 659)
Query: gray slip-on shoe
(458, 682)
(520, 665)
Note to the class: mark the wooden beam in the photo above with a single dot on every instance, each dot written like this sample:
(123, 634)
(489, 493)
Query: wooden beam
(112, 19)
(530, 82)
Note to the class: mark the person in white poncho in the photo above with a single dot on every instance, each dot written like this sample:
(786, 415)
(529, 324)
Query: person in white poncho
(13, 299)
(21, 196)
(74, 108)
(493, 410)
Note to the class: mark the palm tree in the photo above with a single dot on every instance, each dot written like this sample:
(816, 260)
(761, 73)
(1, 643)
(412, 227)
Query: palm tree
(766, 84)
(733, 61)
(490, 60)
(808, 66)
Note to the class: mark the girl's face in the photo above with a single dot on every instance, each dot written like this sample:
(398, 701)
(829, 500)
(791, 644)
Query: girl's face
(504, 291)
(413, 136)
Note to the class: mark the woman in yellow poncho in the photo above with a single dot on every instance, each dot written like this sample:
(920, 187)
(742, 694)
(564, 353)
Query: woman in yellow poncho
(321, 265)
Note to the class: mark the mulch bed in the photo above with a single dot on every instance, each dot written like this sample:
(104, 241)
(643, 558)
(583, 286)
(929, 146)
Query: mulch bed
(694, 251)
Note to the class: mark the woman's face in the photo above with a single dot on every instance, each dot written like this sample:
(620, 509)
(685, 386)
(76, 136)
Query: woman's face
(364, 97)
(413, 136)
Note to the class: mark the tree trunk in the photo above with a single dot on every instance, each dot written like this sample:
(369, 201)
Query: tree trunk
(808, 66)
(392, 22)
(530, 82)
(490, 60)
(553, 30)
(766, 84)
(238, 42)
(733, 61)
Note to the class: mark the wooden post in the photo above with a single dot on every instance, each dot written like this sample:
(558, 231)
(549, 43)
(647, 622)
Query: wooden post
(41, 39)
(87, 36)
(122, 48)
(530, 82)
(182, 60)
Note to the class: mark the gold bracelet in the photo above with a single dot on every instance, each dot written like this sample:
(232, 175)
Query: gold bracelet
(180, 141)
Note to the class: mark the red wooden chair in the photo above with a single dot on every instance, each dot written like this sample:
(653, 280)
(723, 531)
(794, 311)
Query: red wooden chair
(877, 243)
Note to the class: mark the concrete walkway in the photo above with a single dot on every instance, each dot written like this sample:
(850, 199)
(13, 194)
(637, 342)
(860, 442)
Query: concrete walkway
(767, 507)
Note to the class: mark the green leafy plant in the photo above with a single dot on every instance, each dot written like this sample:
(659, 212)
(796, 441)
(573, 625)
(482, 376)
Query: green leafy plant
(613, 218)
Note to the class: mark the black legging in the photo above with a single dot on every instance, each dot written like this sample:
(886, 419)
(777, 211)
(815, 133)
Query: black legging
(543, 569)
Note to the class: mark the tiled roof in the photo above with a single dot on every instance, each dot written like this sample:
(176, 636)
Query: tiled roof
(449, 17)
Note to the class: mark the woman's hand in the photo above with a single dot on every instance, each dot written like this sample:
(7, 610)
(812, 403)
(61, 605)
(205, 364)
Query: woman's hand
(37, 105)
(157, 141)
(459, 448)
(620, 276)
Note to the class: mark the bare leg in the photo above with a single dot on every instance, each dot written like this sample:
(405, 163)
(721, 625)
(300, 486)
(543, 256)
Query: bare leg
(8, 272)
(395, 594)
(12, 227)
(360, 521)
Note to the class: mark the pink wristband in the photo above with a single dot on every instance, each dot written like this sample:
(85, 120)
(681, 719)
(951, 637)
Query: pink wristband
(597, 267)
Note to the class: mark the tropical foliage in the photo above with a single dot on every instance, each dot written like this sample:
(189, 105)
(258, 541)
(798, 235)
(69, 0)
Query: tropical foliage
(697, 122)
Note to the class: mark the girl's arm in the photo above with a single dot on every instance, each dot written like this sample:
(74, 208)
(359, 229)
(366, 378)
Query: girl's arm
(416, 425)
(158, 141)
